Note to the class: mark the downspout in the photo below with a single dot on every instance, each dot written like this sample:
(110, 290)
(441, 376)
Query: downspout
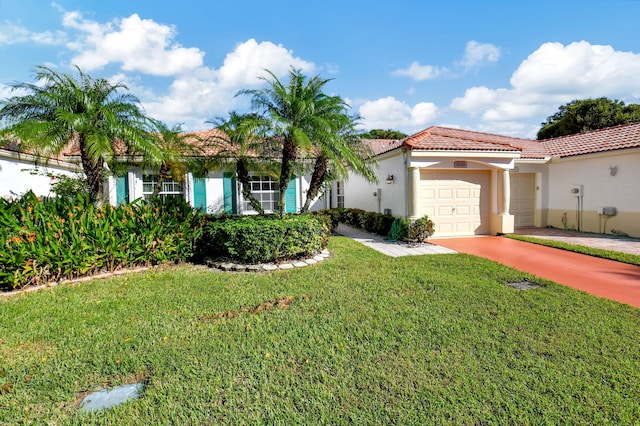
(405, 158)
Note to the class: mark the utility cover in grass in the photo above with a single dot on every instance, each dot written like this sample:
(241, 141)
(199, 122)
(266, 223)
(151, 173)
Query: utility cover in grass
(106, 398)
(523, 285)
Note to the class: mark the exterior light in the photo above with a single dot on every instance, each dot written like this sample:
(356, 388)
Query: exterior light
(390, 179)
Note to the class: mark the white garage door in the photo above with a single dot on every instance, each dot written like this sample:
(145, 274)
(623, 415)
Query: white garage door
(458, 202)
(523, 193)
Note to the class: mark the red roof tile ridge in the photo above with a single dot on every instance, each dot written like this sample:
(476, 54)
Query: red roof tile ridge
(468, 135)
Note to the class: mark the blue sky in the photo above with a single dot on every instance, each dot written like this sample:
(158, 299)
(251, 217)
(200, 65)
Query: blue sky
(501, 66)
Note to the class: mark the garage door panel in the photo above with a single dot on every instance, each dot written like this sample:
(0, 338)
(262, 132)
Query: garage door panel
(461, 202)
(445, 194)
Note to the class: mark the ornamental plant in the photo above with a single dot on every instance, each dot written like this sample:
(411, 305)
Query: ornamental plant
(263, 239)
(44, 240)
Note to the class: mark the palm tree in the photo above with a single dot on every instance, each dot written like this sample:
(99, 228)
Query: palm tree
(300, 114)
(337, 157)
(90, 112)
(242, 143)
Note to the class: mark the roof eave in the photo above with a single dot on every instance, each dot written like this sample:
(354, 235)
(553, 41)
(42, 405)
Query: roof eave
(464, 153)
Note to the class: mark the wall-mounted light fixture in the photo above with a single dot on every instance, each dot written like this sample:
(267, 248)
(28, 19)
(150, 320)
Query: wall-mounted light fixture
(390, 179)
(613, 170)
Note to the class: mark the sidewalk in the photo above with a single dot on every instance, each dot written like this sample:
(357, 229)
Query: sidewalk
(390, 248)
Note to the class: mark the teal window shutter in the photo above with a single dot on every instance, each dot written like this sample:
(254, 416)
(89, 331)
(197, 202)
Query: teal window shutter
(290, 196)
(122, 189)
(229, 189)
(200, 194)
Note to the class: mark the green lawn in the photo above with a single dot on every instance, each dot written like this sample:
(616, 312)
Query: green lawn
(632, 259)
(366, 339)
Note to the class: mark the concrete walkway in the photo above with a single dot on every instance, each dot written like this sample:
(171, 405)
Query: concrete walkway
(606, 242)
(390, 248)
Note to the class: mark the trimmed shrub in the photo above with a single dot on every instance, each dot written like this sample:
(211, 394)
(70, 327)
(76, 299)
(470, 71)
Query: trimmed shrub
(421, 229)
(52, 239)
(263, 239)
(376, 223)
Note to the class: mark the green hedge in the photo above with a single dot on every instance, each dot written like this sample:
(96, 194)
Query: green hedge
(376, 223)
(381, 224)
(263, 239)
(52, 239)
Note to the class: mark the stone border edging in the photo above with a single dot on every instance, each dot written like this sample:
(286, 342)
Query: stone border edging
(267, 267)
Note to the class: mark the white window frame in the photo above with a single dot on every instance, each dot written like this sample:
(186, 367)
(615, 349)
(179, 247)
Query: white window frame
(339, 194)
(170, 187)
(265, 189)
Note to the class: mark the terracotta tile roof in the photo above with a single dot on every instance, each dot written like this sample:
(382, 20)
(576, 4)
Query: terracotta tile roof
(608, 139)
(380, 146)
(531, 149)
(204, 143)
(437, 138)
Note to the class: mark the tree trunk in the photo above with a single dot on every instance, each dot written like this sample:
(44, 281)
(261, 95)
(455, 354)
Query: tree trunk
(288, 157)
(317, 179)
(93, 172)
(243, 177)
(163, 175)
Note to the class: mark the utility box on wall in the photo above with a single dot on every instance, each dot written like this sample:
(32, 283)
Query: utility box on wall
(607, 211)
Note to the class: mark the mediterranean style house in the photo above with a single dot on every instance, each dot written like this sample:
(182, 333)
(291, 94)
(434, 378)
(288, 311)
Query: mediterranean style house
(468, 183)
(472, 183)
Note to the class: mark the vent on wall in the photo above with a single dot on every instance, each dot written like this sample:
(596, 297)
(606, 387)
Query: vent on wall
(460, 164)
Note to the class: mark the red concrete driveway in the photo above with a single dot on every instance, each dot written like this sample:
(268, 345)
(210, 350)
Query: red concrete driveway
(600, 277)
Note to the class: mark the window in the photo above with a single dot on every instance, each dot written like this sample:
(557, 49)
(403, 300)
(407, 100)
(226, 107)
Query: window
(265, 189)
(170, 188)
(340, 194)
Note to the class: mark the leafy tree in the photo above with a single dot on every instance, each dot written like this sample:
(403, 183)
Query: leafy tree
(92, 112)
(383, 134)
(336, 158)
(181, 153)
(589, 114)
(299, 114)
(242, 144)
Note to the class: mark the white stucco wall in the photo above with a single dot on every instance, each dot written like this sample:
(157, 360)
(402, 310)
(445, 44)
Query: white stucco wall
(359, 193)
(600, 189)
(20, 173)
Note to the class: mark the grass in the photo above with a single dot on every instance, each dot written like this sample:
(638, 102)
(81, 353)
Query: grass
(630, 258)
(366, 339)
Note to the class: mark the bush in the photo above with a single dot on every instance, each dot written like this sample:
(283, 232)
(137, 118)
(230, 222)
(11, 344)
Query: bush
(52, 239)
(263, 239)
(70, 186)
(421, 229)
(376, 223)
(381, 224)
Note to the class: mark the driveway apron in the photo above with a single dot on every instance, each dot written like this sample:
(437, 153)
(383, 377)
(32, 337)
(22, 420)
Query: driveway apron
(600, 277)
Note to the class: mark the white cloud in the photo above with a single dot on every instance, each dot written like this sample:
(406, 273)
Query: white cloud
(204, 93)
(579, 69)
(476, 54)
(420, 72)
(390, 113)
(138, 44)
(15, 34)
(553, 75)
(249, 60)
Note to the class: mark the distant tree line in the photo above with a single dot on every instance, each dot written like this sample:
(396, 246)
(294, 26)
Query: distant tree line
(383, 134)
(580, 116)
